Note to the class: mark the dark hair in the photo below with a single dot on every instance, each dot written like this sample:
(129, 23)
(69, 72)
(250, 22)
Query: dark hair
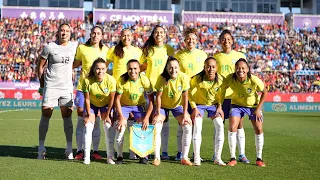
(165, 73)
(148, 45)
(60, 26)
(94, 64)
(125, 76)
(88, 43)
(190, 31)
(118, 49)
(203, 72)
(226, 31)
(234, 75)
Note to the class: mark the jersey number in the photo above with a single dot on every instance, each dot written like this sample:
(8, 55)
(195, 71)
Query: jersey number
(133, 96)
(225, 68)
(157, 62)
(65, 60)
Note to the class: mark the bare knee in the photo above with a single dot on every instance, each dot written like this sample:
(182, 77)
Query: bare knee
(47, 112)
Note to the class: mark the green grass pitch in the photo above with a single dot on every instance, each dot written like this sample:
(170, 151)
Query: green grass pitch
(291, 151)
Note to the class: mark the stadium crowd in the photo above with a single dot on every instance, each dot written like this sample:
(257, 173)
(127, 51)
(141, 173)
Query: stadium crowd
(287, 59)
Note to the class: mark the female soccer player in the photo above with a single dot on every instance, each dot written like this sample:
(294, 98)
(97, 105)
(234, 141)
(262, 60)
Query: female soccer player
(245, 101)
(85, 56)
(131, 88)
(172, 95)
(58, 86)
(226, 60)
(120, 55)
(204, 95)
(154, 58)
(191, 62)
(99, 90)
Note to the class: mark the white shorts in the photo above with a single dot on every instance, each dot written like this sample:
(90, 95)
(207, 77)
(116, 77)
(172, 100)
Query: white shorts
(56, 97)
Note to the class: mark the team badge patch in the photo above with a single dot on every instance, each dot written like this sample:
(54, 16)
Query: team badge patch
(249, 90)
(141, 89)
(233, 61)
(179, 88)
(142, 142)
(105, 90)
(216, 89)
(198, 60)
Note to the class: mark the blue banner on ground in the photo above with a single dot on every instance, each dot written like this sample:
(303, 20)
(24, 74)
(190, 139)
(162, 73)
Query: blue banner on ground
(142, 142)
(14, 103)
(291, 107)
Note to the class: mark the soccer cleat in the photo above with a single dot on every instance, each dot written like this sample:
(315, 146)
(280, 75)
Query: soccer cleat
(232, 162)
(133, 157)
(178, 156)
(96, 155)
(119, 160)
(197, 163)
(110, 160)
(79, 155)
(69, 155)
(193, 157)
(86, 161)
(186, 162)
(165, 156)
(244, 159)
(143, 160)
(42, 154)
(156, 162)
(219, 162)
(260, 163)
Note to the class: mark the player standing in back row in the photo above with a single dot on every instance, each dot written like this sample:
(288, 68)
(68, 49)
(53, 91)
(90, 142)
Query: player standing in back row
(58, 86)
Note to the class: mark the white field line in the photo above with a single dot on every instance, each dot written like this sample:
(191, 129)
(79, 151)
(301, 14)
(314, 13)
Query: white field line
(12, 110)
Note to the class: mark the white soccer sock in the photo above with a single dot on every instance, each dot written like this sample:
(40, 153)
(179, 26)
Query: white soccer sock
(43, 129)
(79, 133)
(108, 129)
(232, 139)
(197, 139)
(165, 136)
(96, 134)
(186, 140)
(219, 137)
(88, 139)
(129, 125)
(119, 141)
(158, 128)
(259, 138)
(241, 141)
(179, 138)
(68, 130)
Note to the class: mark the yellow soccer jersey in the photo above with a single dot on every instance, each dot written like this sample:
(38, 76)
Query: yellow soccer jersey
(226, 65)
(157, 61)
(120, 65)
(172, 90)
(133, 91)
(99, 91)
(87, 54)
(244, 93)
(191, 63)
(204, 92)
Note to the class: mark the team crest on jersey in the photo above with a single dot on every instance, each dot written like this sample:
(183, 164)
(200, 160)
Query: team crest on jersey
(216, 89)
(249, 90)
(141, 89)
(179, 88)
(233, 61)
(198, 60)
(105, 90)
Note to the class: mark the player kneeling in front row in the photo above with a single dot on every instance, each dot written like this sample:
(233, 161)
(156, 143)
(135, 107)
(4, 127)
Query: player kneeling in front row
(245, 101)
(204, 95)
(130, 99)
(172, 95)
(99, 91)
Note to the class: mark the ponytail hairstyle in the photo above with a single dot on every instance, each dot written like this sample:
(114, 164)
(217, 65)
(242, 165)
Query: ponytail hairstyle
(59, 29)
(165, 74)
(92, 68)
(234, 75)
(118, 49)
(125, 76)
(147, 48)
(88, 43)
(203, 72)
